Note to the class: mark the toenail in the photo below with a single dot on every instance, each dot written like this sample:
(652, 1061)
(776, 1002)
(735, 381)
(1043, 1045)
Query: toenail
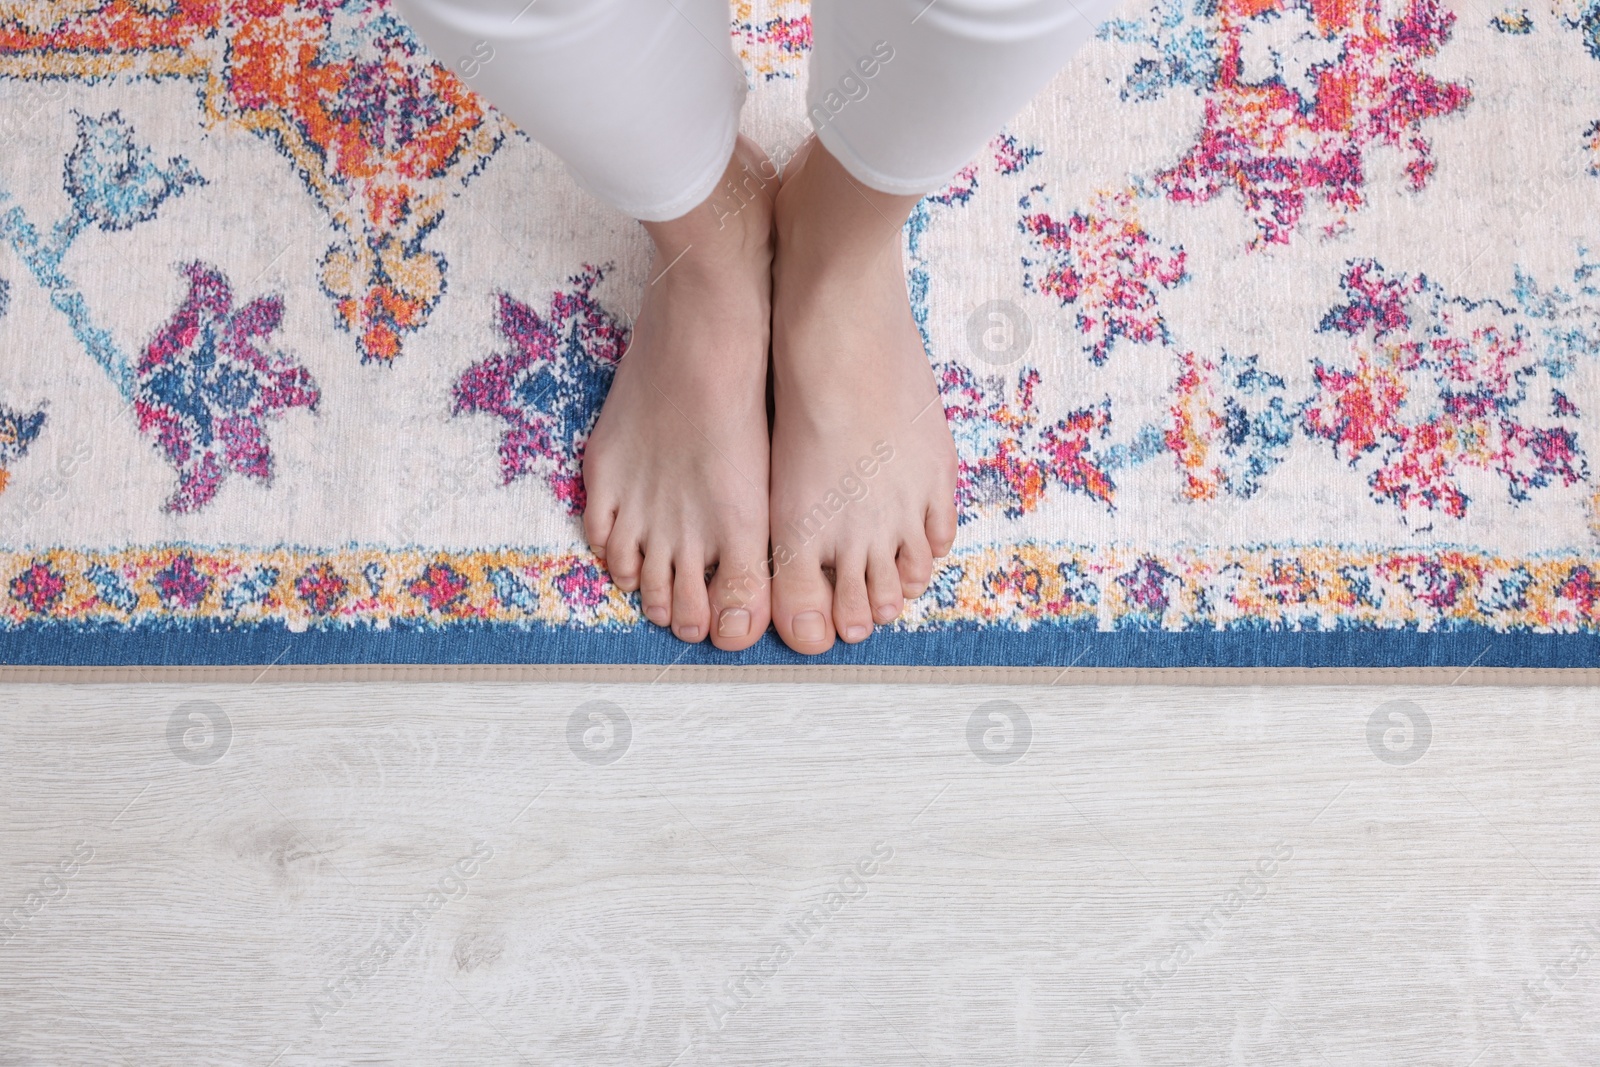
(887, 612)
(810, 626)
(733, 622)
(659, 616)
(689, 633)
(856, 633)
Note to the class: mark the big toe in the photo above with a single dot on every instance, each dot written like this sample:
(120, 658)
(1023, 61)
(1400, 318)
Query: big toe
(599, 520)
(940, 526)
(915, 564)
(802, 607)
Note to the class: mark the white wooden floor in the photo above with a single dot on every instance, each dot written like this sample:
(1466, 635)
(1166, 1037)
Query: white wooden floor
(679, 874)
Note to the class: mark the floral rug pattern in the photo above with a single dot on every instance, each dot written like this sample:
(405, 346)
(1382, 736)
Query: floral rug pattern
(1297, 350)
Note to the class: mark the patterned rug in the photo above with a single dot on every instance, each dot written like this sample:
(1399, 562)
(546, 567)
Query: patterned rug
(1270, 336)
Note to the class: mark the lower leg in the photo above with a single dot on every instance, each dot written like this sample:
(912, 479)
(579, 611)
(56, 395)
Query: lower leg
(904, 93)
(639, 98)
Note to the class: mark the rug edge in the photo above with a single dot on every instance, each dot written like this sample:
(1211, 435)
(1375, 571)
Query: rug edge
(832, 674)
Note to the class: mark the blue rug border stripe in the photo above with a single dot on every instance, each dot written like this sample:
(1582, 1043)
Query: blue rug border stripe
(499, 644)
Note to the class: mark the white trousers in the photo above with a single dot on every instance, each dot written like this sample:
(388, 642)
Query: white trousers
(641, 98)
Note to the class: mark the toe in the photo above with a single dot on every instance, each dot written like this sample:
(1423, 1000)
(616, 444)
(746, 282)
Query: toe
(691, 610)
(740, 601)
(852, 610)
(883, 586)
(802, 606)
(941, 527)
(915, 563)
(623, 560)
(598, 522)
(655, 586)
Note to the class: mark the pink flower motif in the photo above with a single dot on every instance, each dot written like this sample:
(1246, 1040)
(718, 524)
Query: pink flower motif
(584, 586)
(1439, 384)
(322, 588)
(1007, 457)
(38, 588)
(1276, 149)
(441, 586)
(1104, 263)
(1582, 587)
(1146, 587)
(180, 585)
(1010, 155)
(206, 388)
(549, 387)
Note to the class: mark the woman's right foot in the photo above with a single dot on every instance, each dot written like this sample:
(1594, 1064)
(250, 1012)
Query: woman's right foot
(676, 469)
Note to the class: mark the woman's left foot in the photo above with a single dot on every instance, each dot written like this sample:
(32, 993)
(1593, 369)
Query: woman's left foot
(863, 464)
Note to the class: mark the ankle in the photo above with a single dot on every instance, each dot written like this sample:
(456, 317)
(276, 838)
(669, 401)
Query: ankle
(732, 224)
(824, 214)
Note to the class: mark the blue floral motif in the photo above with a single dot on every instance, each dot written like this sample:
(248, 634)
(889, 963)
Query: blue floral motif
(1183, 48)
(1510, 593)
(944, 587)
(112, 589)
(207, 386)
(1080, 585)
(510, 590)
(116, 183)
(251, 589)
(1257, 424)
(111, 180)
(1587, 23)
(18, 431)
(549, 387)
(1569, 321)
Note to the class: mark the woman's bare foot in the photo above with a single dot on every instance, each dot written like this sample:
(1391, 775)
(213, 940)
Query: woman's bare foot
(676, 469)
(863, 465)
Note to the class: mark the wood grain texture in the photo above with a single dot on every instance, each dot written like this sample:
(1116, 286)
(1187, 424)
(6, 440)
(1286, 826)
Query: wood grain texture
(798, 874)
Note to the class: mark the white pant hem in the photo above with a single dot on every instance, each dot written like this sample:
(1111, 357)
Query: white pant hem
(840, 149)
(695, 194)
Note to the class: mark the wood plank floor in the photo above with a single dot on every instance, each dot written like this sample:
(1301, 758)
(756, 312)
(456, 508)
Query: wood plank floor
(762, 874)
